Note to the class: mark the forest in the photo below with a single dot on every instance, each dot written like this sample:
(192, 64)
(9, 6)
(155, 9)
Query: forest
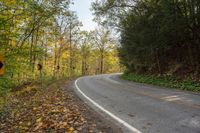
(43, 40)
(56, 76)
(157, 37)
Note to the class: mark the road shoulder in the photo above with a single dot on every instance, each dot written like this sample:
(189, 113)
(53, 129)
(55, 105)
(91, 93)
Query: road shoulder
(93, 117)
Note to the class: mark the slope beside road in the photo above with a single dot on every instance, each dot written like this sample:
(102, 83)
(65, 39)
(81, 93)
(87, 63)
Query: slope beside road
(139, 107)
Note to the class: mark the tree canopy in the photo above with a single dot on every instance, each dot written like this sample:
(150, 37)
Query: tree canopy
(46, 34)
(157, 36)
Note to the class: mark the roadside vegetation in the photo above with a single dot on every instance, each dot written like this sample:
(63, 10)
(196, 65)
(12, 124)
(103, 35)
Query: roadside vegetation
(165, 81)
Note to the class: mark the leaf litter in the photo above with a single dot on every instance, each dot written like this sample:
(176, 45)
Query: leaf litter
(48, 110)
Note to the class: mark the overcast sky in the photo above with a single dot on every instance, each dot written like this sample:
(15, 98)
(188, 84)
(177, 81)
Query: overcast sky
(82, 7)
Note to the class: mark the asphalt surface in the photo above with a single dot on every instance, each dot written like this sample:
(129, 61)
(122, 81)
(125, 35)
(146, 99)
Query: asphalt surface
(146, 108)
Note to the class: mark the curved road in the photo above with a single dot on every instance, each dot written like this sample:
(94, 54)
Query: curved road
(139, 107)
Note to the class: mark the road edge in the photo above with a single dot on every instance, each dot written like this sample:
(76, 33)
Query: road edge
(122, 122)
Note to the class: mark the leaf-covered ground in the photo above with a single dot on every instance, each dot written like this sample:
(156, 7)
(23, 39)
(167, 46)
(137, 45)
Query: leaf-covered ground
(53, 109)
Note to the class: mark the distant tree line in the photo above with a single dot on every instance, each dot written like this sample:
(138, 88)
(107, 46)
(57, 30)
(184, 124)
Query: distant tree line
(157, 36)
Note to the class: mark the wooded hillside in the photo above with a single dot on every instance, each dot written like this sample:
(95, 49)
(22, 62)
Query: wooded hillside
(160, 37)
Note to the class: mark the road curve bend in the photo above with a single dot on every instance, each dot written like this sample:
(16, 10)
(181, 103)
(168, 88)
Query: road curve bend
(141, 108)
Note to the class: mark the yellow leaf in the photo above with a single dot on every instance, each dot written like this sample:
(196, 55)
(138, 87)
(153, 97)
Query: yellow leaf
(39, 120)
(71, 129)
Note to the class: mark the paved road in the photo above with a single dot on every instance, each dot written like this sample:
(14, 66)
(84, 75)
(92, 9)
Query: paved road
(146, 108)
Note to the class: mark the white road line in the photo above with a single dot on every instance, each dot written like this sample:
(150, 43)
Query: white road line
(131, 128)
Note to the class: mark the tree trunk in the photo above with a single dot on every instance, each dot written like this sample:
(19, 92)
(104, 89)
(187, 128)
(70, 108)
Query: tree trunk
(102, 62)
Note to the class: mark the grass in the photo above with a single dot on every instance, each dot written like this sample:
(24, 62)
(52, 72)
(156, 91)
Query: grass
(169, 82)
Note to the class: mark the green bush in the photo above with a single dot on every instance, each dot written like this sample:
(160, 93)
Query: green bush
(170, 82)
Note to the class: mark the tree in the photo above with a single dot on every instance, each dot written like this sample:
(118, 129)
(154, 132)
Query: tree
(86, 48)
(103, 42)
